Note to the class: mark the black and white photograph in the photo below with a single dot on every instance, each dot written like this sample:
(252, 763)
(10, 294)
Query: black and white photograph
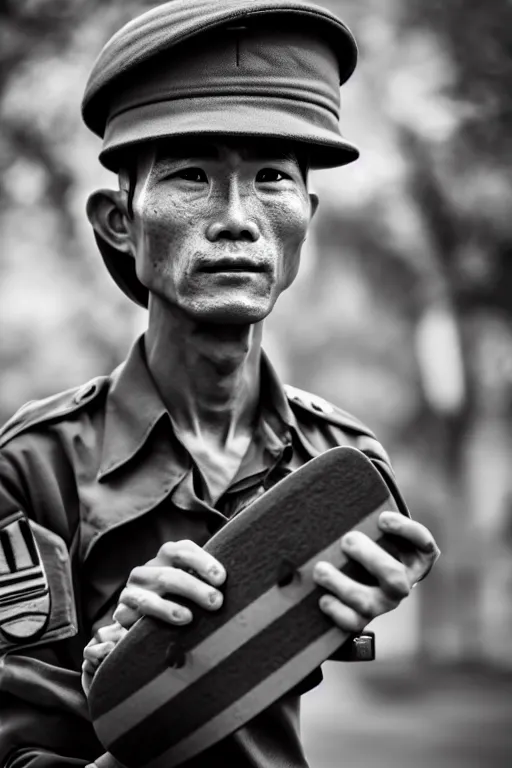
(255, 384)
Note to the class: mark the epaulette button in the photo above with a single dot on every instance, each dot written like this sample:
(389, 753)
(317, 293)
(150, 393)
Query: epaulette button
(321, 405)
(84, 393)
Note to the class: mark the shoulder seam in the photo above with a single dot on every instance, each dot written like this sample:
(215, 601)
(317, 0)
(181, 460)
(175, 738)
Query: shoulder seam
(52, 408)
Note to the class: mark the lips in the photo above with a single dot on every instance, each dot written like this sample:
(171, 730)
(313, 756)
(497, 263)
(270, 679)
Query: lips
(232, 265)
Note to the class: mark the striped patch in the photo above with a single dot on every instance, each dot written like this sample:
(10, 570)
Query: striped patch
(24, 593)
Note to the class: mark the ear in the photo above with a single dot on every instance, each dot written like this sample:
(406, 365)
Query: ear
(313, 200)
(107, 212)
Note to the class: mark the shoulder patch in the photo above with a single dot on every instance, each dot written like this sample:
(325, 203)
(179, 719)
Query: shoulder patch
(24, 592)
(330, 412)
(55, 407)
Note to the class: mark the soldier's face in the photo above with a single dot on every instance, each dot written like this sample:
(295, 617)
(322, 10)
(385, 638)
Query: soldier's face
(217, 229)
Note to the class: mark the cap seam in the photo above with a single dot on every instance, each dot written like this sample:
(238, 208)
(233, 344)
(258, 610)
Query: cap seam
(208, 95)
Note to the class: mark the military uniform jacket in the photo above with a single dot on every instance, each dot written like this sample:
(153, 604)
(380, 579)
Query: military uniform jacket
(92, 482)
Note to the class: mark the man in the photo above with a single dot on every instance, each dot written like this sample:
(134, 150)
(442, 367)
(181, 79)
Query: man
(211, 114)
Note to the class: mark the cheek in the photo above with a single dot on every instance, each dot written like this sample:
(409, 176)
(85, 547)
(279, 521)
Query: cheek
(290, 226)
(160, 252)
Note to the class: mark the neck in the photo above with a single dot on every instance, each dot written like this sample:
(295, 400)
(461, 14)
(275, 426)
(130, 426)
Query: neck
(208, 375)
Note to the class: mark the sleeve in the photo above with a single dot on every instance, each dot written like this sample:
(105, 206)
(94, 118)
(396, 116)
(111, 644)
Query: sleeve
(44, 721)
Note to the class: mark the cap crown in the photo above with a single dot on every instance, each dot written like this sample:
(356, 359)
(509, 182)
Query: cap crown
(171, 23)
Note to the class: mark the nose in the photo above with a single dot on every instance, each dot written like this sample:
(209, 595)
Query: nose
(232, 220)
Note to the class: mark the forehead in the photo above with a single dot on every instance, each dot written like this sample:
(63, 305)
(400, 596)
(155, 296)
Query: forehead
(247, 148)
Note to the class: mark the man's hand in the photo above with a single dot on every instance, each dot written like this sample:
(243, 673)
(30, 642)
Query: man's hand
(352, 605)
(181, 568)
(104, 641)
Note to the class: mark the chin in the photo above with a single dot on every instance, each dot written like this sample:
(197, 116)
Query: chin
(230, 313)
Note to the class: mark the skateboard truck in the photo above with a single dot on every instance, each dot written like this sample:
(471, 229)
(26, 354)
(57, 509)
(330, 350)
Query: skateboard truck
(357, 648)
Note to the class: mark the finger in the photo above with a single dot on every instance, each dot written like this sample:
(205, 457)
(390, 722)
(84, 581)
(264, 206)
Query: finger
(391, 574)
(425, 552)
(342, 615)
(110, 632)
(89, 668)
(368, 602)
(87, 676)
(125, 616)
(148, 603)
(189, 556)
(416, 533)
(96, 653)
(165, 580)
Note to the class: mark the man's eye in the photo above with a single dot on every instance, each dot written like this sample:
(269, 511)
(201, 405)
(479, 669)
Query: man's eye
(267, 175)
(192, 174)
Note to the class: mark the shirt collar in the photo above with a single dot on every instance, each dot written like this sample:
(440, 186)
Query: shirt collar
(134, 407)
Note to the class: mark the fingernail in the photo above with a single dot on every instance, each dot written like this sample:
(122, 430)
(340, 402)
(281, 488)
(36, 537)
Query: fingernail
(349, 540)
(181, 615)
(321, 570)
(217, 574)
(215, 598)
(326, 601)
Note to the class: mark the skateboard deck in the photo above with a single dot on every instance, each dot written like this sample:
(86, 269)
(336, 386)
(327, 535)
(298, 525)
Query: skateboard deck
(166, 693)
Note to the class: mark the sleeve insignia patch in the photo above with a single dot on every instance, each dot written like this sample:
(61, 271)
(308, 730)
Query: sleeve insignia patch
(24, 592)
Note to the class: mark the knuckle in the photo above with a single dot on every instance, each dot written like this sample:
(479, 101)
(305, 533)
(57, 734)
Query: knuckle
(181, 554)
(125, 598)
(167, 549)
(355, 621)
(168, 579)
(184, 547)
(397, 583)
(145, 601)
(101, 635)
(137, 574)
(363, 605)
(163, 579)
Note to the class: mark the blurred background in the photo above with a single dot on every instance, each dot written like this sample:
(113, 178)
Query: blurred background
(402, 314)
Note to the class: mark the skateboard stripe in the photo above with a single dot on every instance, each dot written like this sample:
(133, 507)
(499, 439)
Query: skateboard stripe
(301, 515)
(219, 645)
(248, 706)
(265, 653)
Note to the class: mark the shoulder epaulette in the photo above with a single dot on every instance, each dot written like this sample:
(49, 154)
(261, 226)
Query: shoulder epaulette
(330, 412)
(367, 441)
(51, 408)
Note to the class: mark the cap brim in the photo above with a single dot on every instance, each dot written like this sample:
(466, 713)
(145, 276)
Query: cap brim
(263, 117)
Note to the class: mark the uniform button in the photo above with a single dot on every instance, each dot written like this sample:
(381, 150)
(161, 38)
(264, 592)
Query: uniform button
(84, 393)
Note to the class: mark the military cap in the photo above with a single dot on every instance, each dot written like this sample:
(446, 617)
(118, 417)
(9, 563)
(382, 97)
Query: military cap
(259, 68)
